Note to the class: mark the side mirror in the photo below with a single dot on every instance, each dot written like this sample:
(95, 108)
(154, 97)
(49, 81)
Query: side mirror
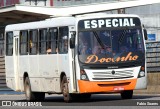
(145, 34)
(72, 40)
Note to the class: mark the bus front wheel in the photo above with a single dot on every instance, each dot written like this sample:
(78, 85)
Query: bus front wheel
(65, 89)
(32, 96)
(128, 94)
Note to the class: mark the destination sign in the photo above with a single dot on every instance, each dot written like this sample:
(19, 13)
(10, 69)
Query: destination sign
(108, 23)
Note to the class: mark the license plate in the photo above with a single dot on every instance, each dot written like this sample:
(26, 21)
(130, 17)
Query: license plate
(118, 88)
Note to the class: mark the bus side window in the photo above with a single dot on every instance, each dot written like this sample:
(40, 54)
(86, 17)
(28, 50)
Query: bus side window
(42, 41)
(52, 40)
(9, 43)
(23, 42)
(33, 35)
(63, 40)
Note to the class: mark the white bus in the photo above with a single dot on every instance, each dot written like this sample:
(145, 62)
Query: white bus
(76, 56)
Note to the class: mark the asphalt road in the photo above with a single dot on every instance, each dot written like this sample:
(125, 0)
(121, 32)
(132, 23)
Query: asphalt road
(102, 101)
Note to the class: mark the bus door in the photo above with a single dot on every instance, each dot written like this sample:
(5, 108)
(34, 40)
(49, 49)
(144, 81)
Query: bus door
(16, 59)
(65, 56)
(73, 57)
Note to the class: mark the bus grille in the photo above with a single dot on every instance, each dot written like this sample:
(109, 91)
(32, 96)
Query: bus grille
(110, 75)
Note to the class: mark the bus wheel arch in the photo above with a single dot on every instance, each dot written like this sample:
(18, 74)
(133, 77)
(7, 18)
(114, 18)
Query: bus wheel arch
(24, 76)
(61, 78)
(31, 96)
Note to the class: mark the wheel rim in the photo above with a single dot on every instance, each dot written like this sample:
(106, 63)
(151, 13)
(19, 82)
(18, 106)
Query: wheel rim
(27, 91)
(65, 91)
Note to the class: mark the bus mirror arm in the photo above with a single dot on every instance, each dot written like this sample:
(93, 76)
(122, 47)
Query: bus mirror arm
(145, 34)
(72, 40)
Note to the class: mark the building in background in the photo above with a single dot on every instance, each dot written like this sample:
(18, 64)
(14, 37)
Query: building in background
(54, 3)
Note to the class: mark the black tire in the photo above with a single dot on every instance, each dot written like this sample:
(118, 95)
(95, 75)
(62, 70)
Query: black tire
(32, 96)
(65, 90)
(128, 94)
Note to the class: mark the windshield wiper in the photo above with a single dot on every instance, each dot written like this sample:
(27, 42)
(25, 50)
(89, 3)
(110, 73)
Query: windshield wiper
(122, 36)
(98, 39)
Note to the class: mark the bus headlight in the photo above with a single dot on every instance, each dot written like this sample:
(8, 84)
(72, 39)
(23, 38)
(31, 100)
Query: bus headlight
(83, 75)
(142, 72)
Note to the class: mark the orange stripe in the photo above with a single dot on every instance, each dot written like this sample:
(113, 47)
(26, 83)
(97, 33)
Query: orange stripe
(109, 86)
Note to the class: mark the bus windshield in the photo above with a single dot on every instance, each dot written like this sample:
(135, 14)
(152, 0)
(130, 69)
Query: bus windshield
(110, 46)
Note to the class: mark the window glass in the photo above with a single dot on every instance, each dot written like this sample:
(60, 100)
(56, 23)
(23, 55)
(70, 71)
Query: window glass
(42, 41)
(63, 40)
(33, 41)
(52, 40)
(9, 43)
(23, 42)
(110, 44)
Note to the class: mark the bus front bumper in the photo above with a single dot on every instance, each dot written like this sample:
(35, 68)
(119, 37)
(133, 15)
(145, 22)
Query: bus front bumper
(107, 86)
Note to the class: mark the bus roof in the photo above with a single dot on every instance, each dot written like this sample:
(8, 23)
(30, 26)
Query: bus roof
(52, 22)
(62, 21)
(104, 15)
